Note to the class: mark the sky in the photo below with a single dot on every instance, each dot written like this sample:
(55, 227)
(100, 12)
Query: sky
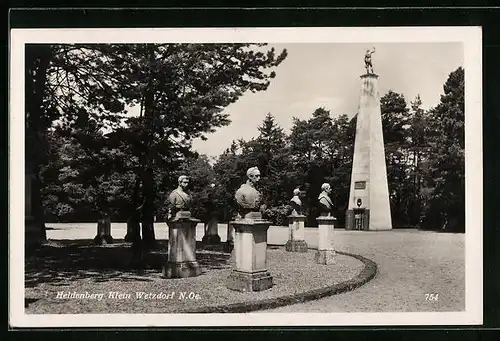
(327, 75)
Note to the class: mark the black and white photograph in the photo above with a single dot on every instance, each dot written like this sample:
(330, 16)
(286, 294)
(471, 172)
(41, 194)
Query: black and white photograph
(245, 177)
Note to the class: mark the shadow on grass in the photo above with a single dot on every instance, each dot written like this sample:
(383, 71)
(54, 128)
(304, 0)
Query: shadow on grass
(60, 262)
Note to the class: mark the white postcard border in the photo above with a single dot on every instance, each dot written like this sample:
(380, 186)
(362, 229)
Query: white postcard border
(469, 36)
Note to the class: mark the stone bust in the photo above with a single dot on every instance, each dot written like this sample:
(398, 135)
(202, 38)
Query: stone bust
(325, 203)
(247, 196)
(296, 203)
(178, 198)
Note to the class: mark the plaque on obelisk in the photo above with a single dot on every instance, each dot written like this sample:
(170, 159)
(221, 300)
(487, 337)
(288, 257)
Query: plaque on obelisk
(368, 207)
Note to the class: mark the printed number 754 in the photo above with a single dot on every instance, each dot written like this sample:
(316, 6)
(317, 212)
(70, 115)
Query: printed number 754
(431, 297)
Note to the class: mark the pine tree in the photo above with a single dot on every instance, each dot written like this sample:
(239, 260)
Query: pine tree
(395, 125)
(445, 167)
(417, 141)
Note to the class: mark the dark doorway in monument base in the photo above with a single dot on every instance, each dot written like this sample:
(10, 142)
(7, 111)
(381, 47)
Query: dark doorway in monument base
(359, 219)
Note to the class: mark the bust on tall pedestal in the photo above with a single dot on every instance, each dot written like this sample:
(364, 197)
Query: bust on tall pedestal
(296, 203)
(179, 199)
(181, 235)
(326, 225)
(325, 203)
(250, 240)
(247, 196)
(296, 236)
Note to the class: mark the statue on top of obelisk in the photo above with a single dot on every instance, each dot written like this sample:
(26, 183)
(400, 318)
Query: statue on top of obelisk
(368, 60)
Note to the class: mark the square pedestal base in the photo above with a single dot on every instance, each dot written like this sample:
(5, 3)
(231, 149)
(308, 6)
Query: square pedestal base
(181, 269)
(244, 281)
(296, 246)
(213, 239)
(228, 246)
(325, 257)
(103, 239)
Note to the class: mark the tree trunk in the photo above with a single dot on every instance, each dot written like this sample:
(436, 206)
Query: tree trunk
(134, 221)
(148, 233)
(38, 207)
(134, 228)
(37, 62)
(148, 209)
(35, 233)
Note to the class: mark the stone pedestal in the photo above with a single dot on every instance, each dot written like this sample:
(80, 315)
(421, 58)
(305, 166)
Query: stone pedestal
(325, 253)
(250, 252)
(229, 246)
(181, 247)
(133, 230)
(211, 236)
(103, 232)
(296, 238)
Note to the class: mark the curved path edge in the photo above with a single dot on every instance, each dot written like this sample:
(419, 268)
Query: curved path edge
(368, 273)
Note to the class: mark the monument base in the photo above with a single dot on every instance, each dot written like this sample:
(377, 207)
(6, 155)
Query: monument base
(245, 281)
(211, 235)
(296, 242)
(181, 261)
(228, 247)
(296, 246)
(325, 257)
(249, 255)
(326, 253)
(213, 239)
(103, 232)
(103, 240)
(132, 237)
(357, 219)
(181, 269)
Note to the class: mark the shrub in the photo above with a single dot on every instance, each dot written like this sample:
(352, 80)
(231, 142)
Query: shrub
(278, 214)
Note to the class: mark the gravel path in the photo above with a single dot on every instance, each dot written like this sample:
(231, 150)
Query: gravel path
(119, 290)
(410, 263)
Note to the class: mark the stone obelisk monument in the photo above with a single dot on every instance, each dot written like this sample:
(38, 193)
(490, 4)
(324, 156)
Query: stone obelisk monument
(369, 195)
